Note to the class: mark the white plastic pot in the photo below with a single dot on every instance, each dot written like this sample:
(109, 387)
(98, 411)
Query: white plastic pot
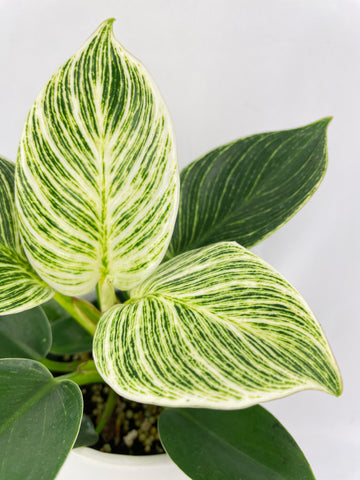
(88, 464)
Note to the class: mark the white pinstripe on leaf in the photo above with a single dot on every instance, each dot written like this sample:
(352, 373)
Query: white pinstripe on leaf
(20, 287)
(245, 190)
(215, 327)
(97, 178)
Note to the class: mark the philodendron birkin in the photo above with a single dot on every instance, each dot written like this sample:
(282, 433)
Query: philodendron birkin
(205, 323)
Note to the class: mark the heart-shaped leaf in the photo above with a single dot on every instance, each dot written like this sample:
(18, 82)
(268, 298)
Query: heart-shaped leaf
(247, 444)
(215, 327)
(39, 420)
(20, 287)
(97, 176)
(245, 190)
(25, 335)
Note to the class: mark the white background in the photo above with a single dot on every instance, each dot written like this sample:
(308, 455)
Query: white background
(228, 69)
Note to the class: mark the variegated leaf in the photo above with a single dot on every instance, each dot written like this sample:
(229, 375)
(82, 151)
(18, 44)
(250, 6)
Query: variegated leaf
(20, 287)
(215, 327)
(247, 189)
(97, 177)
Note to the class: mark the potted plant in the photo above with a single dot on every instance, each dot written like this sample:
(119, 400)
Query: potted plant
(185, 317)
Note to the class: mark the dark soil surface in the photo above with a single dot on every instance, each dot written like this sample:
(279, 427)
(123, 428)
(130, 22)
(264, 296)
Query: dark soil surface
(132, 427)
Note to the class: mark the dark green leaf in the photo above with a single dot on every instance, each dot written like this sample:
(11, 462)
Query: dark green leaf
(245, 190)
(39, 420)
(87, 434)
(68, 336)
(25, 335)
(54, 311)
(245, 444)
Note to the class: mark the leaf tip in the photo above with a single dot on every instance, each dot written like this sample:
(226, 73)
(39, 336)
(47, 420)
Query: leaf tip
(335, 386)
(323, 122)
(338, 388)
(108, 22)
(106, 27)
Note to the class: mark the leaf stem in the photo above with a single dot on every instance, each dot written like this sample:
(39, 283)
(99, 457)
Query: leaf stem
(106, 294)
(108, 410)
(85, 374)
(82, 311)
(66, 367)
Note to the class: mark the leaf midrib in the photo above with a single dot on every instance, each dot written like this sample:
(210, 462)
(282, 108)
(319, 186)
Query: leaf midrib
(33, 354)
(196, 307)
(104, 194)
(28, 404)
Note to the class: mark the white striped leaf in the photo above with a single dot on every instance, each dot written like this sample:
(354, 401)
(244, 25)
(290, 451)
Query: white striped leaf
(20, 287)
(247, 189)
(215, 327)
(97, 176)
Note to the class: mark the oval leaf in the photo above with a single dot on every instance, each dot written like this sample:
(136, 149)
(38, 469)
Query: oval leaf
(245, 444)
(216, 327)
(245, 190)
(97, 176)
(39, 420)
(20, 287)
(25, 335)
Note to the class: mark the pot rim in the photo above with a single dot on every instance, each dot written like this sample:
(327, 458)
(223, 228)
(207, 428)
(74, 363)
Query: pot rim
(136, 461)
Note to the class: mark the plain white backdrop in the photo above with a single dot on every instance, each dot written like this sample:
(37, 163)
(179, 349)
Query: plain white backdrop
(229, 69)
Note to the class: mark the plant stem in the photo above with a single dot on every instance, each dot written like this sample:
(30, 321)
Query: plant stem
(82, 311)
(61, 366)
(106, 294)
(85, 374)
(108, 410)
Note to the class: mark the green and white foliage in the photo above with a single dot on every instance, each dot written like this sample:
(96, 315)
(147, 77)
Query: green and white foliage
(97, 182)
(245, 190)
(215, 327)
(20, 286)
(93, 203)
